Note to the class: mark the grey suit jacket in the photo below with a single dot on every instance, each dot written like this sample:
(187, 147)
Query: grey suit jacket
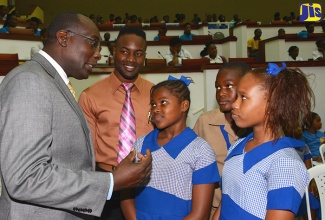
(46, 156)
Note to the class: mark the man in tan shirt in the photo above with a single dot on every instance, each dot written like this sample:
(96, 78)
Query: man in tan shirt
(102, 104)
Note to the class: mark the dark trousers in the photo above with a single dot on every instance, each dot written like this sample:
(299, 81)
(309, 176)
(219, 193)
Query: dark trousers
(112, 209)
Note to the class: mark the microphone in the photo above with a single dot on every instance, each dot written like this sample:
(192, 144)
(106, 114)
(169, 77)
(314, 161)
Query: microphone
(161, 55)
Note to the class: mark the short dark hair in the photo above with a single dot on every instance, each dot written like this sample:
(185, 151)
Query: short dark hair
(131, 30)
(35, 19)
(257, 29)
(63, 21)
(243, 67)
(319, 41)
(308, 24)
(174, 41)
(292, 48)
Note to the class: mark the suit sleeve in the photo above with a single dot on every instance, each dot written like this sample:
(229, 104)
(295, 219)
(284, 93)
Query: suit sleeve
(31, 172)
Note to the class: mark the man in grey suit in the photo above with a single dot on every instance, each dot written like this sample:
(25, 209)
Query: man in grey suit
(46, 156)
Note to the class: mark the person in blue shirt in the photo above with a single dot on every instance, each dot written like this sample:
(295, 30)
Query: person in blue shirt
(312, 135)
(263, 176)
(310, 27)
(161, 32)
(185, 171)
(187, 32)
(11, 21)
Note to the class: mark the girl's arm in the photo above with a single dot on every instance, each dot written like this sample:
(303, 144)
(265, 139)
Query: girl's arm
(201, 202)
(216, 215)
(279, 215)
(128, 204)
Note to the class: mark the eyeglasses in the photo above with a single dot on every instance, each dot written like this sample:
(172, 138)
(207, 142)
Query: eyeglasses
(93, 41)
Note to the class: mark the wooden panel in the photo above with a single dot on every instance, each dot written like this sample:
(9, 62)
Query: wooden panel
(155, 62)
(8, 62)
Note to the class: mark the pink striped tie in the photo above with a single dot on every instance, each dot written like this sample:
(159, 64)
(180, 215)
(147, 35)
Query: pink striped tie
(127, 125)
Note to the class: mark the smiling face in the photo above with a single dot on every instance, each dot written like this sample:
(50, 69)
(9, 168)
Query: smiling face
(129, 57)
(226, 86)
(249, 107)
(80, 54)
(167, 110)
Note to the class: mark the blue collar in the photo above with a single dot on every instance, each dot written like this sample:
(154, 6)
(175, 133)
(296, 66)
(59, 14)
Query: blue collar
(262, 151)
(174, 146)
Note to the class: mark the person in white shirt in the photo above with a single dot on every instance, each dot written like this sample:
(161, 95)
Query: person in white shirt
(212, 52)
(319, 53)
(293, 54)
(176, 53)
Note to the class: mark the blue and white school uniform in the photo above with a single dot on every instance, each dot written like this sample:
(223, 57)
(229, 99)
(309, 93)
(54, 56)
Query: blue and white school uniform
(184, 161)
(271, 176)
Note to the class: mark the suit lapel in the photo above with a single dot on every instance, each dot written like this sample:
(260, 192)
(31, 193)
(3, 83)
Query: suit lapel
(63, 88)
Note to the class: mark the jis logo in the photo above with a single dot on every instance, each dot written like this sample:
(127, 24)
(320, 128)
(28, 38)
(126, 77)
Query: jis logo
(310, 12)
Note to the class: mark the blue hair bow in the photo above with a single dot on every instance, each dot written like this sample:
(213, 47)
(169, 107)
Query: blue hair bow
(274, 69)
(183, 79)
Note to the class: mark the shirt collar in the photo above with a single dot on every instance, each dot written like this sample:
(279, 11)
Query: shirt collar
(56, 66)
(174, 146)
(262, 151)
(116, 83)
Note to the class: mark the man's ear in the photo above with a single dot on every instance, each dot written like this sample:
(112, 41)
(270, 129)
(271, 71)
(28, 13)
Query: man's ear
(62, 37)
(185, 105)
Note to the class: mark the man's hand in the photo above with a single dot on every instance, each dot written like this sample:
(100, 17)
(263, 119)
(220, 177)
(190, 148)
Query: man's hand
(129, 174)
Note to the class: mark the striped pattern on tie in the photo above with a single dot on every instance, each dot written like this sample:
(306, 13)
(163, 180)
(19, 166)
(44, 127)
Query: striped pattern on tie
(127, 125)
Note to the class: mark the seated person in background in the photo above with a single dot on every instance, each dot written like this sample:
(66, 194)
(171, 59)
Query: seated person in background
(196, 19)
(236, 20)
(161, 32)
(212, 51)
(319, 53)
(165, 19)
(3, 12)
(175, 54)
(276, 16)
(111, 46)
(281, 31)
(38, 47)
(293, 54)
(312, 135)
(111, 19)
(253, 43)
(305, 155)
(107, 36)
(209, 19)
(33, 24)
(187, 32)
(118, 20)
(12, 21)
(222, 18)
(310, 27)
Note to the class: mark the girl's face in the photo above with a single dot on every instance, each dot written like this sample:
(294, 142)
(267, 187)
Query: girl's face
(249, 107)
(166, 109)
(226, 86)
(317, 123)
(212, 51)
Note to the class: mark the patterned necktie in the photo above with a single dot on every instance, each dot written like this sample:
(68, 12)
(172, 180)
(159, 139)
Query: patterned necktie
(71, 90)
(127, 125)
